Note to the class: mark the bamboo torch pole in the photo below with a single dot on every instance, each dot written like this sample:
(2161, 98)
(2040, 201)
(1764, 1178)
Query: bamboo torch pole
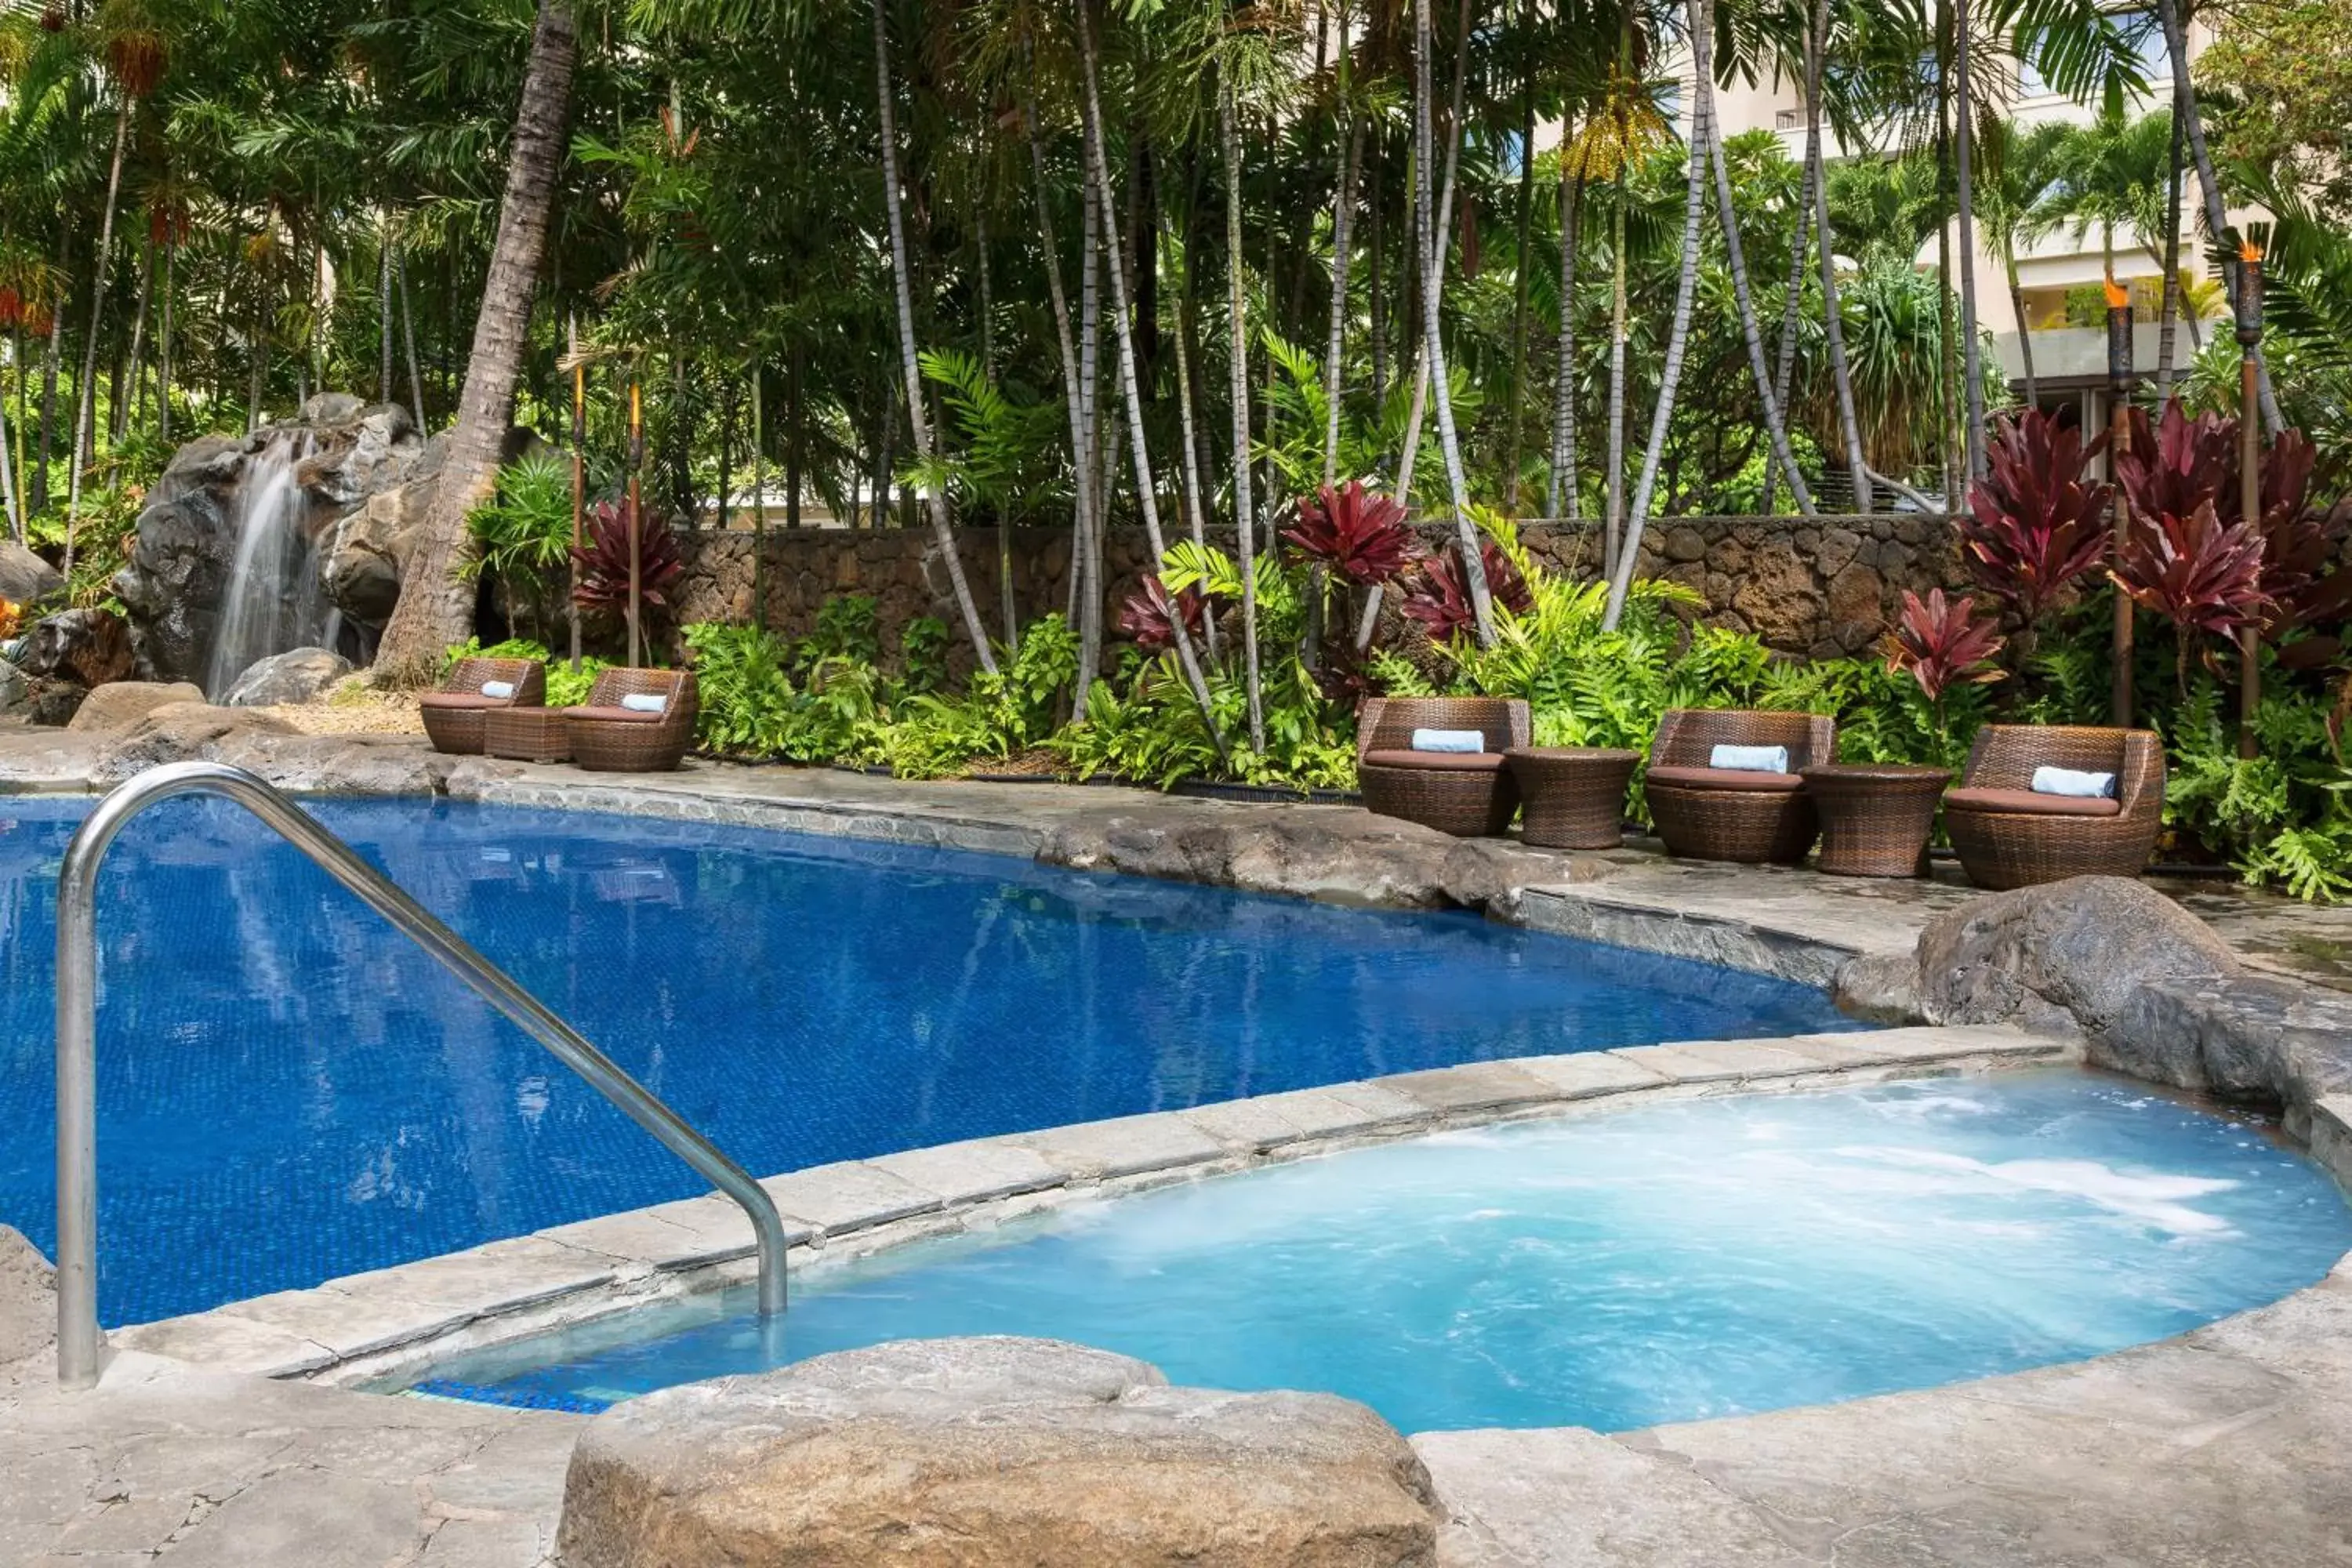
(636, 508)
(2250, 475)
(2119, 385)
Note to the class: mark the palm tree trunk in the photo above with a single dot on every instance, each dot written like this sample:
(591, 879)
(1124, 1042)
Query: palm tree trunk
(942, 530)
(86, 392)
(2167, 313)
(1559, 495)
(383, 311)
(1196, 519)
(1520, 277)
(8, 496)
(1817, 39)
(2025, 332)
(436, 601)
(2217, 218)
(118, 425)
(1776, 427)
(1432, 346)
(1244, 520)
(1432, 255)
(1679, 333)
(163, 343)
(1082, 510)
(1791, 302)
(408, 339)
(1613, 510)
(1378, 327)
(1971, 350)
(1146, 491)
(1343, 208)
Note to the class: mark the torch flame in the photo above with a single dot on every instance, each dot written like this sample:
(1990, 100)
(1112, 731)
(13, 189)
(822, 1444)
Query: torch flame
(2248, 252)
(2117, 295)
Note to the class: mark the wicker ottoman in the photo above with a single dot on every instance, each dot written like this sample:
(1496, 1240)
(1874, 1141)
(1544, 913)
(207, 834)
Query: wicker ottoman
(526, 735)
(1573, 797)
(1876, 818)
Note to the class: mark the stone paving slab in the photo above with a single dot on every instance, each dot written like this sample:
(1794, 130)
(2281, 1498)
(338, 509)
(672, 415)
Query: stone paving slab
(2231, 1447)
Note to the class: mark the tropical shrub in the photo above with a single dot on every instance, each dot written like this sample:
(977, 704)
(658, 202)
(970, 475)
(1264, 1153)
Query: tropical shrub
(2034, 526)
(602, 559)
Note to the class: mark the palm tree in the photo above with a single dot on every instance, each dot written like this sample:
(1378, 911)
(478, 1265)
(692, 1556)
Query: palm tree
(2172, 15)
(1701, 13)
(942, 529)
(1146, 491)
(436, 599)
(1817, 41)
(2016, 170)
(1432, 244)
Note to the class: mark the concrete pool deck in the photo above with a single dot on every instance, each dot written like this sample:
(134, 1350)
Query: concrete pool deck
(2231, 1445)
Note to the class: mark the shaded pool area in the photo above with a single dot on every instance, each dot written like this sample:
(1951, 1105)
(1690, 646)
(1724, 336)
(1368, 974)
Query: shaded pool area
(1671, 1263)
(288, 1092)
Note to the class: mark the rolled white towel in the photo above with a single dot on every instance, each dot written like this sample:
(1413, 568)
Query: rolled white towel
(501, 689)
(1749, 759)
(1464, 742)
(646, 702)
(2048, 780)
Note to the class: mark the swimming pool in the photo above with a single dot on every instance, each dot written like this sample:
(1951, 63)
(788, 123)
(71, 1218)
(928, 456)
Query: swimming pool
(1671, 1263)
(287, 1092)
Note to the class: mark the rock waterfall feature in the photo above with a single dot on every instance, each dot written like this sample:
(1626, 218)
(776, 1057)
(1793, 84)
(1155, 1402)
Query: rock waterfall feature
(289, 538)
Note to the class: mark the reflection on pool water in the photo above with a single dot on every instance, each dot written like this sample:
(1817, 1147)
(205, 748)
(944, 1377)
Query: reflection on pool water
(284, 1079)
(1668, 1263)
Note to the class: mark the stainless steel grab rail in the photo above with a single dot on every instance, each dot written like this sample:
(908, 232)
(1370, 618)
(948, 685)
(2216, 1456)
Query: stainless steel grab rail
(80, 1343)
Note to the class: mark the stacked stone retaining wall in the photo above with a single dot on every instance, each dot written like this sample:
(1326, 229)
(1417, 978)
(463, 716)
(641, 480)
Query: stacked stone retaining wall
(1818, 586)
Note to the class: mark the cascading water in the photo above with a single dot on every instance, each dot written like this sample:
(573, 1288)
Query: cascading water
(275, 599)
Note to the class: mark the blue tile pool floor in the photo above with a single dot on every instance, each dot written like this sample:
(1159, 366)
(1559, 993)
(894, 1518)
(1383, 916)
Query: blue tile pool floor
(287, 1092)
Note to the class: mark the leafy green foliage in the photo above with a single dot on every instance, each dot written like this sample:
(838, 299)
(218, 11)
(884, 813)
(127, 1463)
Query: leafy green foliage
(566, 688)
(525, 530)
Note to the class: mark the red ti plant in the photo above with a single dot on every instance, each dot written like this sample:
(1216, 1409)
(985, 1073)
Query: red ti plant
(603, 558)
(1149, 616)
(2033, 525)
(2177, 464)
(2200, 573)
(1357, 534)
(1440, 597)
(1942, 643)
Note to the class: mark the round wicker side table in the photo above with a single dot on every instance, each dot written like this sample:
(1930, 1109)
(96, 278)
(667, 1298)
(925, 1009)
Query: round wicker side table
(1574, 796)
(1875, 816)
(527, 735)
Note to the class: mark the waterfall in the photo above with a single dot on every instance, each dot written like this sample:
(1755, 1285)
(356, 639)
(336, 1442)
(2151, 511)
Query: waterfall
(275, 599)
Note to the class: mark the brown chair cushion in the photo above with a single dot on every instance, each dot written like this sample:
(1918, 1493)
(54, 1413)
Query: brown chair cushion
(1725, 778)
(2028, 803)
(617, 715)
(463, 699)
(1443, 761)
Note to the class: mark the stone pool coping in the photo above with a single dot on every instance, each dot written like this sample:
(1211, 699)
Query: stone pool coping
(395, 1323)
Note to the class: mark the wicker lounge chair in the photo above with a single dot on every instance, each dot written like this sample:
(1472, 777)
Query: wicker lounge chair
(453, 715)
(611, 739)
(2009, 837)
(1464, 793)
(1706, 813)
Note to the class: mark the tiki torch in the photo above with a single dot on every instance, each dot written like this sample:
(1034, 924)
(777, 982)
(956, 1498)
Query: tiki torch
(579, 481)
(2119, 389)
(636, 507)
(2250, 472)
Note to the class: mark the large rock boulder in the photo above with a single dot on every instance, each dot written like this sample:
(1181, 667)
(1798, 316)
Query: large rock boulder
(991, 1453)
(120, 704)
(369, 547)
(90, 646)
(28, 1299)
(181, 563)
(63, 656)
(25, 576)
(2062, 955)
(300, 675)
(2153, 990)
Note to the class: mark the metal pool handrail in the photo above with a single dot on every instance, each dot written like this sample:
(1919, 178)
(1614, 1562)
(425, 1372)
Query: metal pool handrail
(79, 1339)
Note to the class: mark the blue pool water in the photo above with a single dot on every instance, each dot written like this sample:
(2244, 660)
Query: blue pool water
(1666, 1264)
(287, 1092)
